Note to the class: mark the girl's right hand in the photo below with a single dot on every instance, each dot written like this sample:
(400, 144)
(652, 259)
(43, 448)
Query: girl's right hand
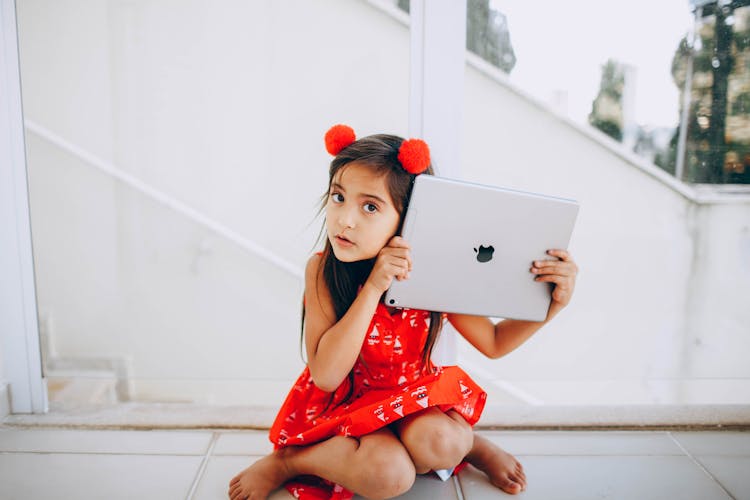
(393, 261)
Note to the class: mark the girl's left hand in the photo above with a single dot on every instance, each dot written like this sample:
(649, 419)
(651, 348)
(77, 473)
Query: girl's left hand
(561, 271)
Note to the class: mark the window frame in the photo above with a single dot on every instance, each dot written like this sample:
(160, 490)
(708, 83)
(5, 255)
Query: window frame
(20, 353)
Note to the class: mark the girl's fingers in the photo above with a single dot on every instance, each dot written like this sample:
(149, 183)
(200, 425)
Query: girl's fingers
(389, 250)
(399, 256)
(402, 252)
(553, 262)
(397, 269)
(398, 242)
(563, 281)
(560, 269)
(561, 254)
(401, 263)
(560, 281)
(563, 257)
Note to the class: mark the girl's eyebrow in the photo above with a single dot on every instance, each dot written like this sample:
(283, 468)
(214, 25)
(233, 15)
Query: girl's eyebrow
(378, 198)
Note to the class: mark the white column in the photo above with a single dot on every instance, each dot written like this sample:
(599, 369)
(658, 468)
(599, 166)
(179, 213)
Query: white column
(20, 358)
(438, 49)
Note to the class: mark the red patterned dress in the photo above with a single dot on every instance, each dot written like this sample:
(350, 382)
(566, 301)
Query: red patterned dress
(389, 383)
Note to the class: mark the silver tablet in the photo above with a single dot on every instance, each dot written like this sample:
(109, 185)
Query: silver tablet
(472, 248)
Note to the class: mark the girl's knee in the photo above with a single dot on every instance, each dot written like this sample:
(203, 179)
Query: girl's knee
(451, 441)
(386, 472)
(441, 442)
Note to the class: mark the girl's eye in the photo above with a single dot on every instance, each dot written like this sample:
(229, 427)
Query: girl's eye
(370, 208)
(337, 198)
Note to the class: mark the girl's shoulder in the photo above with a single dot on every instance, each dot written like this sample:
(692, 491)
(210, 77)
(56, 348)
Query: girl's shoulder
(315, 285)
(312, 268)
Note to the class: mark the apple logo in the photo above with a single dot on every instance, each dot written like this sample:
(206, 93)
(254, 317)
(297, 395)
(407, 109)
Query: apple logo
(484, 254)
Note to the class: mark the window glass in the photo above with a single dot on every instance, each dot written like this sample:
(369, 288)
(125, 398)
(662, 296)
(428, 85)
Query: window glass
(717, 120)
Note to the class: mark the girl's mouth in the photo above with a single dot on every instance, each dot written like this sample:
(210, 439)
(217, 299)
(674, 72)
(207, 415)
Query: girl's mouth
(341, 241)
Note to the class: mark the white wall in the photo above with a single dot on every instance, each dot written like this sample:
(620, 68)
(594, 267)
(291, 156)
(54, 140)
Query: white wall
(629, 235)
(662, 275)
(223, 105)
(718, 328)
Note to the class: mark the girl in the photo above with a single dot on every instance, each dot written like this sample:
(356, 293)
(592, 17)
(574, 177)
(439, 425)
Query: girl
(370, 410)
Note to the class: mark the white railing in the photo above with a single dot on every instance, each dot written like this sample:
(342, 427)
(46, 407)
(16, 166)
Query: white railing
(164, 199)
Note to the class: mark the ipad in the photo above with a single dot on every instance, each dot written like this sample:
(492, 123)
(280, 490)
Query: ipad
(472, 248)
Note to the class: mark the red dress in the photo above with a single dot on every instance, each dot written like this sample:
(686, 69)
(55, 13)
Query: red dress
(389, 383)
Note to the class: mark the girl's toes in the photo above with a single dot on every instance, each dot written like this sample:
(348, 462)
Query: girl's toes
(234, 491)
(509, 486)
(520, 473)
(519, 480)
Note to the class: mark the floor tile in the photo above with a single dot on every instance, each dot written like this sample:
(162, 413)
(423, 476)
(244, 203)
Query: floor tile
(243, 443)
(214, 485)
(88, 476)
(221, 469)
(715, 443)
(731, 472)
(584, 478)
(95, 441)
(584, 442)
(428, 487)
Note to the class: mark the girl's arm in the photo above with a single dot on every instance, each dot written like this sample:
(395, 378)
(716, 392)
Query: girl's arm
(499, 339)
(494, 340)
(333, 346)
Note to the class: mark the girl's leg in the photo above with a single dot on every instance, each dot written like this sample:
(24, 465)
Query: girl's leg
(374, 466)
(437, 440)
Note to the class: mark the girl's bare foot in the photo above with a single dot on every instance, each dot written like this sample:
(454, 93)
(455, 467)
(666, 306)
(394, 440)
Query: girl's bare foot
(501, 467)
(261, 478)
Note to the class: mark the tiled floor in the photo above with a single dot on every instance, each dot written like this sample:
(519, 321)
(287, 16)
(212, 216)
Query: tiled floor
(580, 465)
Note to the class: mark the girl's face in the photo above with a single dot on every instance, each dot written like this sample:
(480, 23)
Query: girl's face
(360, 215)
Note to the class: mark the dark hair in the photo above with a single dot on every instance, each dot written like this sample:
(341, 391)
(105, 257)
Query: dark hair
(380, 153)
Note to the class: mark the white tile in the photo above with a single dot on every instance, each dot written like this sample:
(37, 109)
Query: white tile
(87, 476)
(715, 443)
(428, 487)
(584, 478)
(221, 469)
(281, 494)
(243, 443)
(584, 442)
(731, 472)
(214, 485)
(97, 441)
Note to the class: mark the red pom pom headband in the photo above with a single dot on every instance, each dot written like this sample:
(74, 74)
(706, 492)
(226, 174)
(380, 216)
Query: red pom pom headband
(413, 154)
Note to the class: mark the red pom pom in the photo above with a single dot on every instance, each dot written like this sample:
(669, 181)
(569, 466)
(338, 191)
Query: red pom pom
(414, 155)
(338, 137)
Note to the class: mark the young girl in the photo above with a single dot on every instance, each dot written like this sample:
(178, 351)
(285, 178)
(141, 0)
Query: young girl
(370, 410)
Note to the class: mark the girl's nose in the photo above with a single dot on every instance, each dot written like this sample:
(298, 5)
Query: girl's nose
(346, 219)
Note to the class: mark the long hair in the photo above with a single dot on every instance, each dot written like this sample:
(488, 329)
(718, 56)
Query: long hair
(343, 279)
